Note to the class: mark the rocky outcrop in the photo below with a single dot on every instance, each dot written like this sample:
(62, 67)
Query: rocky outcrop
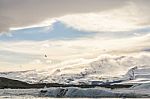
(9, 83)
(16, 84)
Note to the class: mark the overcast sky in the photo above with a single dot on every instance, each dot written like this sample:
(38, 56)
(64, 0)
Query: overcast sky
(70, 29)
(18, 13)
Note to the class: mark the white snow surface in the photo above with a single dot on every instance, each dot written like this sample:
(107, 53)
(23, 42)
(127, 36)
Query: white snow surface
(103, 68)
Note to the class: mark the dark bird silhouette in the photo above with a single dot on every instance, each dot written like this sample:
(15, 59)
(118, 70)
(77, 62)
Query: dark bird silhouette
(45, 55)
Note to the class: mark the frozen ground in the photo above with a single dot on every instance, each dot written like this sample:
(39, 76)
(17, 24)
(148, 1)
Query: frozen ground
(140, 91)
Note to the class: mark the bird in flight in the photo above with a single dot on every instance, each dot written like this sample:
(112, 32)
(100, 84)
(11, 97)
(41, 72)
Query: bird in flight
(45, 55)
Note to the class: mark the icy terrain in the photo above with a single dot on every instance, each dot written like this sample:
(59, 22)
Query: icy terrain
(134, 92)
(104, 68)
(132, 69)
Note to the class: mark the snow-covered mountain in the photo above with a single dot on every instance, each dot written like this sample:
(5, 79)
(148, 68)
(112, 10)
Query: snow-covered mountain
(103, 68)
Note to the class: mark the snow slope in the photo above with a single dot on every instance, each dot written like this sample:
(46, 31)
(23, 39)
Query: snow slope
(79, 71)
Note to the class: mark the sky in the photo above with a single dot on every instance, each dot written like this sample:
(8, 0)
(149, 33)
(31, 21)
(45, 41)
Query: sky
(70, 30)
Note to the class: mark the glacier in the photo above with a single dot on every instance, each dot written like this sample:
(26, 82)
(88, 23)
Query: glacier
(105, 69)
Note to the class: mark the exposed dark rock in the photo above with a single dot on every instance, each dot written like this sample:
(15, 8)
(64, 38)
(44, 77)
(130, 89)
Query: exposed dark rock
(16, 84)
(9, 83)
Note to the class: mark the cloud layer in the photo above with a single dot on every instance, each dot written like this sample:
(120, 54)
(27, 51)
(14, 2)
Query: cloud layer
(25, 53)
(97, 27)
(19, 13)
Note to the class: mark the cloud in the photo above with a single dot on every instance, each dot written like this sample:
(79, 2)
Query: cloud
(86, 15)
(143, 9)
(20, 13)
(102, 15)
(130, 17)
(57, 31)
(25, 53)
(66, 49)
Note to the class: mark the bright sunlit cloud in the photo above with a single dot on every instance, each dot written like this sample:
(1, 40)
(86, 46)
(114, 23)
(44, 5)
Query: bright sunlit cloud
(59, 51)
(123, 19)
